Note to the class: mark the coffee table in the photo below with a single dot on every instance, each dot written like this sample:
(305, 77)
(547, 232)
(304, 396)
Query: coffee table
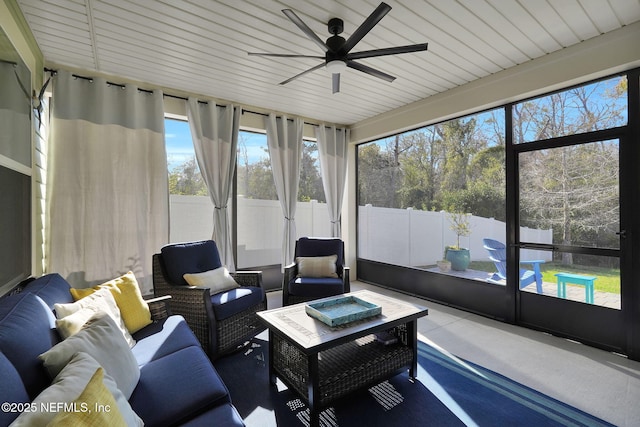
(323, 364)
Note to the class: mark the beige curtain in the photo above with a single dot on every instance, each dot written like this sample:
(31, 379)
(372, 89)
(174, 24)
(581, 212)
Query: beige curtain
(333, 144)
(284, 138)
(107, 169)
(214, 130)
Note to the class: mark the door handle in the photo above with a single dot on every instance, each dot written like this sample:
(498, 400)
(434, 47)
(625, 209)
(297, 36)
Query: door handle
(622, 233)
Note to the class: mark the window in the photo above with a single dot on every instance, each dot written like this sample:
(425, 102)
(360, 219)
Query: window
(425, 193)
(190, 209)
(15, 167)
(259, 217)
(599, 105)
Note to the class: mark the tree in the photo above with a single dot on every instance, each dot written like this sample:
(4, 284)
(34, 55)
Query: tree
(187, 180)
(455, 165)
(374, 172)
(310, 179)
(255, 179)
(421, 170)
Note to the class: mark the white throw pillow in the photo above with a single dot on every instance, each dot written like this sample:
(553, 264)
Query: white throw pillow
(101, 339)
(71, 317)
(317, 266)
(66, 387)
(218, 280)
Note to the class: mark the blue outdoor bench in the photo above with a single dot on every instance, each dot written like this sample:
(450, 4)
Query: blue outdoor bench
(576, 279)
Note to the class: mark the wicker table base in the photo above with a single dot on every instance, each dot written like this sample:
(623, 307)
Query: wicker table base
(324, 364)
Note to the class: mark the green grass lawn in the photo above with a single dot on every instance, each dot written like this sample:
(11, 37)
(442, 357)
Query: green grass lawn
(608, 279)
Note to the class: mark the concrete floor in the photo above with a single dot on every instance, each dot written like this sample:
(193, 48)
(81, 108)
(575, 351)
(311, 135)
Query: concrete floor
(601, 383)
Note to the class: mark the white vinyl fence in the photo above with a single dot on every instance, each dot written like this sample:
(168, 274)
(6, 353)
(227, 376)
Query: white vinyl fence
(417, 238)
(397, 236)
(259, 230)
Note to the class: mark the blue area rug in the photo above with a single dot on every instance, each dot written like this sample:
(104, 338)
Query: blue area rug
(449, 392)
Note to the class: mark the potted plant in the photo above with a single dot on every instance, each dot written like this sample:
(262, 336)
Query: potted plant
(458, 256)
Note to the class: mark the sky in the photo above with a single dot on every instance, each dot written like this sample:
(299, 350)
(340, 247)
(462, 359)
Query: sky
(180, 146)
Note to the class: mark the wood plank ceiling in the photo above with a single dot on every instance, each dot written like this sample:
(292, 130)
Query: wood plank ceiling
(200, 46)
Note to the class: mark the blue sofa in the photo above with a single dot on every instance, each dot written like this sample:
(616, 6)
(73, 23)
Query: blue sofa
(178, 385)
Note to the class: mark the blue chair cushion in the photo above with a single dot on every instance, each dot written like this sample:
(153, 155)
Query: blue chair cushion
(193, 257)
(185, 379)
(12, 390)
(316, 286)
(226, 304)
(162, 338)
(52, 288)
(27, 329)
(308, 247)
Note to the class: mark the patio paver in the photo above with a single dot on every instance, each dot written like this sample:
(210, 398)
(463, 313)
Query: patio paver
(574, 293)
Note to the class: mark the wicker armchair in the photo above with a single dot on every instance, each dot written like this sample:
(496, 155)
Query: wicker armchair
(223, 321)
(298, 288)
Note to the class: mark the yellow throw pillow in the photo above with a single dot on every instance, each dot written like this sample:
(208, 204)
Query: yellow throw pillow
(317, 266)
(133, 308)
(95, 406)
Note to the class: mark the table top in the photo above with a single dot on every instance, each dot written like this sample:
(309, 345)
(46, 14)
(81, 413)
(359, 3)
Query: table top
(309, 333)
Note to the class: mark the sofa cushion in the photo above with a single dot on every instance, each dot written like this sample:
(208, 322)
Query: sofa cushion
(126, 291)
(316, 286)
(66, 387)
(177, 386)
(226, 304)
(162, 338)
(12, 390)
(221, 416)
(52, 288)
(193, 257)
(102, 340)
(27, 328)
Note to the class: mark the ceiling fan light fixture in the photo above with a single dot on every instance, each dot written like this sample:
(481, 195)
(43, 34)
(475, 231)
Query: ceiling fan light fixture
(336, 66)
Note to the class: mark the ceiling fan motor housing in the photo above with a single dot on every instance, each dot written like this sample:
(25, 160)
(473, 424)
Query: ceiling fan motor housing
(335, 43)
(336, 26)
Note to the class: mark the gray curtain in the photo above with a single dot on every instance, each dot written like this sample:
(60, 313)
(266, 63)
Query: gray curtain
(284, 137)
(333, 144)
(214, 130)
(108, 204)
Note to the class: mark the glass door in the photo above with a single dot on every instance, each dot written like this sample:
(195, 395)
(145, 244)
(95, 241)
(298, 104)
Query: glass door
(570, 194)
(566, 175)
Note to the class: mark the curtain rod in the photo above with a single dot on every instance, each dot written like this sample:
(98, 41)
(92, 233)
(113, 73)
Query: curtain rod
(122, 86)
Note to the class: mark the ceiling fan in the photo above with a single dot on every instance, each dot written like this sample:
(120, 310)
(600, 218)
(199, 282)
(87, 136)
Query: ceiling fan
(338, 55)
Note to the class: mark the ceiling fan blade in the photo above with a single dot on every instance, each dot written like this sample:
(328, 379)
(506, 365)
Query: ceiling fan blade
(302, 73)
(305, 29)
(335, 81)
(388, 51)
(284, 55)
(367, 25)
(371, 71)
